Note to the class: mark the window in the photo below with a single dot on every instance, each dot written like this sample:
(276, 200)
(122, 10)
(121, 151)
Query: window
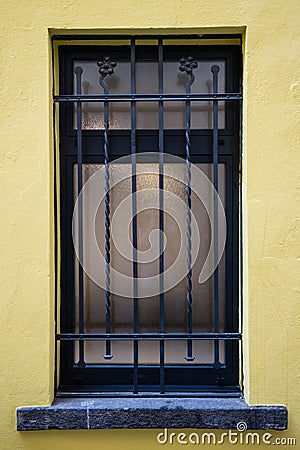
(149, 138)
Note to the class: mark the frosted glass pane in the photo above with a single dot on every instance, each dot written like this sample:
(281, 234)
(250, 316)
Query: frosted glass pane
(203, 351)
(201, 112)
(175, 352)
(175, 298)
(94, 351)
(147, 83)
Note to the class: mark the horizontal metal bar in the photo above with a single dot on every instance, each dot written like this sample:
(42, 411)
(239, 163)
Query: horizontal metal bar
(148, 336)
(148, 97)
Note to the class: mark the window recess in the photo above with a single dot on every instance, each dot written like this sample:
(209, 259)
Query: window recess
(172, 110)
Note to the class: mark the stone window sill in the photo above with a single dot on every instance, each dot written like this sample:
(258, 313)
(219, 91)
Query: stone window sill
(113, 413)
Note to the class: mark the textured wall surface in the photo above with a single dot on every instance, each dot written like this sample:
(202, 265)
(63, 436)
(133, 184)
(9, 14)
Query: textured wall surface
(271, 159)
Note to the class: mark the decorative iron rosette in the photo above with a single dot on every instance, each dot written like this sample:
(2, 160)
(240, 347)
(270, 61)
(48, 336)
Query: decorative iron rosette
(106, 67)
(188, 65)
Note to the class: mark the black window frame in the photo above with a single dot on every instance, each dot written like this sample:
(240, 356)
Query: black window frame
(204, 380)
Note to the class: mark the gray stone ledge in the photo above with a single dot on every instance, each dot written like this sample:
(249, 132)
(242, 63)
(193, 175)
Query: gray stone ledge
(109, 413)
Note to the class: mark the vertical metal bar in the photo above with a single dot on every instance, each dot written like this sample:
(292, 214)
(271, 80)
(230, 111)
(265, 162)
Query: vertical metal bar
(107, 68)
(108, 354)
(187, 65)
(215, 70)
(134, 222)
(161, 218)
(78, 72)
(189, 356)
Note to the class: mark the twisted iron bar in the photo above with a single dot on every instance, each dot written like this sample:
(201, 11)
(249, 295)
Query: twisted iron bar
(106, 67)
(188, 65)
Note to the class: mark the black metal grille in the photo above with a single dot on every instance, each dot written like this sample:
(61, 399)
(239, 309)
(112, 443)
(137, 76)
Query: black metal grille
(106, 67)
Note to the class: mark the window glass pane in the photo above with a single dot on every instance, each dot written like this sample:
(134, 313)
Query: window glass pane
(203, 351)
(175, 298)
(147, 83)
(201, 112)
(94, 351)
(118, 83)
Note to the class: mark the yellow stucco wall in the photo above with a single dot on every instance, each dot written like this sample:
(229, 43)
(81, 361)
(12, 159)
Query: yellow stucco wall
(271, 157)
